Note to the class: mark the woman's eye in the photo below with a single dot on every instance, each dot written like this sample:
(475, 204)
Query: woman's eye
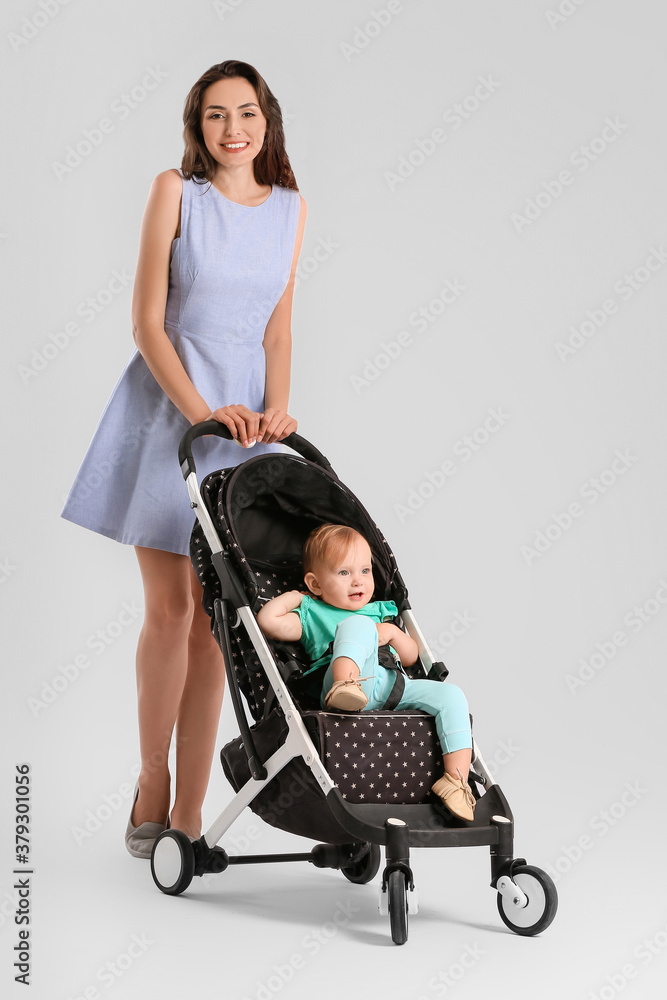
(250, 113)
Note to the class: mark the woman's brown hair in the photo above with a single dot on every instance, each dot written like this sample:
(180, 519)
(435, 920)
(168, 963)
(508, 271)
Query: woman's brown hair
(271, 165)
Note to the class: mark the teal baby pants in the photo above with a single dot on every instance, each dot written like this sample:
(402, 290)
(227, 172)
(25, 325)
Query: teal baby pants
(357, 638)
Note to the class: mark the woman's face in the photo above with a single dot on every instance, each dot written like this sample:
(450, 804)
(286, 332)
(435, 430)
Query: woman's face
(232, 123)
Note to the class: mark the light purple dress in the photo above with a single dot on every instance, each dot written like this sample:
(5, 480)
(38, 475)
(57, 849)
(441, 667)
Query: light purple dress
(229, 268)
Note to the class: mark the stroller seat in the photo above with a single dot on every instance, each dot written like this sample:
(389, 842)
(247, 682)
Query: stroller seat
(373, 756)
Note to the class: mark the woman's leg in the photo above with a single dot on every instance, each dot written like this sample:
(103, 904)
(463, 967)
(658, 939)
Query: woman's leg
(198, 717)
(162, 663)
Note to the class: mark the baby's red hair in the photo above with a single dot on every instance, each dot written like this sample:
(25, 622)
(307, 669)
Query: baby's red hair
(327, 545)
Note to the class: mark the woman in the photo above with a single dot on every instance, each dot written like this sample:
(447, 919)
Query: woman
(211, 312)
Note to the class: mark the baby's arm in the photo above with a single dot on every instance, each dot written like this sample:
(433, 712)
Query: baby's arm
(275, 618)
(404, 644)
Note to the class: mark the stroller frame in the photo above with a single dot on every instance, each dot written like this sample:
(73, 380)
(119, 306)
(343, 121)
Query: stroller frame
(526, 896)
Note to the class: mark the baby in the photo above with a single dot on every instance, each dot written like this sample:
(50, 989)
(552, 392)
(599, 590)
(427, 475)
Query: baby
(341, 629)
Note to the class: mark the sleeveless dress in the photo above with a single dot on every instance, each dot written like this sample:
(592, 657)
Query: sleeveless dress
(228, 270)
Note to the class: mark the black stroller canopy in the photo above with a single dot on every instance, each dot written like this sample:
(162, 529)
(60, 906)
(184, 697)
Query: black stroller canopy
(273, 502)
(263, 511)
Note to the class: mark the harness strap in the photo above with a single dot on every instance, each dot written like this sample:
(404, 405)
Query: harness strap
(390, 660)
(396, 693)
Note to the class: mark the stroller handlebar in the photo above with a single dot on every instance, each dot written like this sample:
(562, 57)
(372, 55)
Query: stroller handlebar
(293, 441)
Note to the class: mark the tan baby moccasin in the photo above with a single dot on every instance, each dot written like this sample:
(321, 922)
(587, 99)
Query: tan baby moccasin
(346, 696)
(456, 796)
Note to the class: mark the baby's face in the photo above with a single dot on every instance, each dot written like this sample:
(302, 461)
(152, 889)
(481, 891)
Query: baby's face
(347, 584)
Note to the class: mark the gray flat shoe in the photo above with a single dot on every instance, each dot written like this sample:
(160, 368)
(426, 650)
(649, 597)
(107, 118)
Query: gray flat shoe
(139, 840)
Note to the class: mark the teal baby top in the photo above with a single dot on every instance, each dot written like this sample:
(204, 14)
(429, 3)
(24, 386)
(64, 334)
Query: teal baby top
(319, 620)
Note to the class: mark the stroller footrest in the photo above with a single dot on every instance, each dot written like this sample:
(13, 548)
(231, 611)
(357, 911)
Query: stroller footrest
(428, 826)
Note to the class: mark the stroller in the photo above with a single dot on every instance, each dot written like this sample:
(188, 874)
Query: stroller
(353, 781)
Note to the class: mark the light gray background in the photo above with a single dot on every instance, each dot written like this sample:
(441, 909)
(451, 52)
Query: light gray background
(566, 758)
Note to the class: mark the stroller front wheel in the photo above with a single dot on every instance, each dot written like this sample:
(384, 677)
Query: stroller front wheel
(172, 862)
(541, 906)
(397, 891)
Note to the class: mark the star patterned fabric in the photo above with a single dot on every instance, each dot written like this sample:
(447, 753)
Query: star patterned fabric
(379, 756)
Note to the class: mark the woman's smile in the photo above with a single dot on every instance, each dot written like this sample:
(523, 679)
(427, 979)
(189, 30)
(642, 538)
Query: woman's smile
(232, 121)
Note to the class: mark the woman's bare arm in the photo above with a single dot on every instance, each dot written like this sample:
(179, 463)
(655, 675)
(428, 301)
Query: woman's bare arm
(159, 227)
(149, 297)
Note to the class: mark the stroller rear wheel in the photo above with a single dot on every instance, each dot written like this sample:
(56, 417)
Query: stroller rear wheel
(541, 906)
(173, 862)
(366, 869)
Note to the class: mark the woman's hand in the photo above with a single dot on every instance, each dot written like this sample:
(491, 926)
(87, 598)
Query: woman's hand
(242, 423)
(275, 425)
